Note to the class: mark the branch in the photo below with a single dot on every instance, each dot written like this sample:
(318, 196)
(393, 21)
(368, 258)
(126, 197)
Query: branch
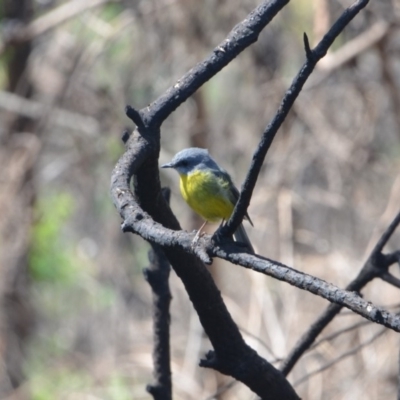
(147, 214)
(386, 236)
(157, 275)
(148, 229)
(392, 280)
(341, 357)
(242, 36)
(231, 354)
(343, 298)
(338, 333)
(376, 266)
(355, 47)
(313, 56)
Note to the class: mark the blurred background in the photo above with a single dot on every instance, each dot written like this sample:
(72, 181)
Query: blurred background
(75, 310)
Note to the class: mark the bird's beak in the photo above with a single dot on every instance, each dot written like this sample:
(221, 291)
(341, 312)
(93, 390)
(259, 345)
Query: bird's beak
(168, 165)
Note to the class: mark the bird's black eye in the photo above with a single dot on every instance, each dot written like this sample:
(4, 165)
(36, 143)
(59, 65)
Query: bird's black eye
(183, 163)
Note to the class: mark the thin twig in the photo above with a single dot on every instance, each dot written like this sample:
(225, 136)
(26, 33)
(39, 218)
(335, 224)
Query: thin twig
(386, 235)
(242, 36)
(146, 215)
(313, 56)
(375, 266)
(354, 47)
(340, 358)
(338, 333)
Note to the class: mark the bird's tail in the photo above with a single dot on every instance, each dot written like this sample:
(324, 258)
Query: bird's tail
(241, 236)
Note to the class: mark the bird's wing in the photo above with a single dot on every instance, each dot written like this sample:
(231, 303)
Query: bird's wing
(233, 191)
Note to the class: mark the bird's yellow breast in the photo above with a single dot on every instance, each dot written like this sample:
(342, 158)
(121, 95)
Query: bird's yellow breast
(207, 194)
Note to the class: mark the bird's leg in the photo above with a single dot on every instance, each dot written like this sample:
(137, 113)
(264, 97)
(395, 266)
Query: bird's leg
(198, 234)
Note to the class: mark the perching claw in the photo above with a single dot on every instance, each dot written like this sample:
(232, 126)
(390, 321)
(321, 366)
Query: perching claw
(198, 235)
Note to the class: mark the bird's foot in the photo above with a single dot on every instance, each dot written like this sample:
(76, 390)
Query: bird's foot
(199, 234)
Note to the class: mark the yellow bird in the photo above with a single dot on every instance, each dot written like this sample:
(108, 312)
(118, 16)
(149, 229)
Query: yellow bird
(207, 188)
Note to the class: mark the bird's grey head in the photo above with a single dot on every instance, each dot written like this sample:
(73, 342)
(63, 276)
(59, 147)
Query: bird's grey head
(188, 160)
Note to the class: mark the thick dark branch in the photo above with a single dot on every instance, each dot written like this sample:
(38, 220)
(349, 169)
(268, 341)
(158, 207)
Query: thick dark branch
(135, 116)
(229, 251)
(376, 265)
(343, 298)
(231, 354)
(241, 37)
(392, 280)
(313, 56)
(146, 213)
(393, 258)
(157, 275)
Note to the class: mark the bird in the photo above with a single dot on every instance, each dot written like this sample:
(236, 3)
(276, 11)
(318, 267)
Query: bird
(207, 189)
